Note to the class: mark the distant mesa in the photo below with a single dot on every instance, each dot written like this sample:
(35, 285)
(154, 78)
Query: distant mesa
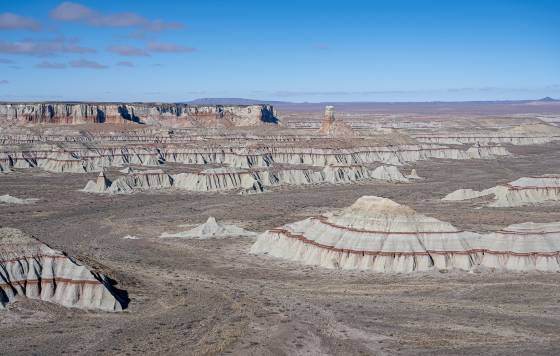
(160, 114)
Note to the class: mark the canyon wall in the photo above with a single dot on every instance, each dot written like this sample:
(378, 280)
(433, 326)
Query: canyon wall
(171, 115)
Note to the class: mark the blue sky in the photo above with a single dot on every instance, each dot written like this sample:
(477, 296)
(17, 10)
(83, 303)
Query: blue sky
(392, 50)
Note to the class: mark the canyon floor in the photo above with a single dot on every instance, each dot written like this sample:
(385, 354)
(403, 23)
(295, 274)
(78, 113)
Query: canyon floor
(212, 297)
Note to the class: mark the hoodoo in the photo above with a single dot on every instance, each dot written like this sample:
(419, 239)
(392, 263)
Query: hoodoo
(375, 234)
(414, 175)
(211, 229)
(523, 247)
(31, 269)
(332, 127)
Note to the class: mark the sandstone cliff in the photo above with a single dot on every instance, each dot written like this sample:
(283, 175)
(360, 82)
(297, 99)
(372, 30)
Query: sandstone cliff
(173, 115)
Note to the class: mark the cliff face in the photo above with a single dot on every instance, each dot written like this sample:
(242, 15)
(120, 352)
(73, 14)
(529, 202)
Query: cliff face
(174, 115)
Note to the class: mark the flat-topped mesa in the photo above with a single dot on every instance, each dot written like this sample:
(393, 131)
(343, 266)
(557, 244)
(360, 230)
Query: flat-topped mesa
(373, 234)
(31, 269)
(332, 127)
(174, 115)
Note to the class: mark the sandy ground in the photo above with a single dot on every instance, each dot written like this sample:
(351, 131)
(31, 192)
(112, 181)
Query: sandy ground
(212, 297)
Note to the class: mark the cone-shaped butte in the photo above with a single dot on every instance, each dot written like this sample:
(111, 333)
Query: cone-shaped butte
(101, 184)
(29, 268)
(375, 234)
(211, 229)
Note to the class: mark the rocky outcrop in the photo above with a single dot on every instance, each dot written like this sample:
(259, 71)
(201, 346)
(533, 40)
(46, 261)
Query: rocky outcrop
(211, 229)
(333, 127)
(31, 269)
(414, 175)
(219, 179)
(85, 159)
(380, 235)
(8, 199)
(523, 247)
(245, 181)
(136, 181)
(174, 115)
(100, 185)
(523, 191)
(528, 134)
(373, 234)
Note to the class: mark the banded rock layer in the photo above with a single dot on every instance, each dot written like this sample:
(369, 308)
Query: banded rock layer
(118, 113)
(92, 159)
(373, 234)
(380, 235)
(228, 179)
(523, 191)
(528, 134)
(523, 247)
(31, 269)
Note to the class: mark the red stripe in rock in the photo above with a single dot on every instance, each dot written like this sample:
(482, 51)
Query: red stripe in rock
(305, 240)
(50, 281)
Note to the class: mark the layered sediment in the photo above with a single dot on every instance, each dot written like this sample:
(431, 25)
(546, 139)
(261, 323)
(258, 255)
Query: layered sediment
(31, 269)
(380, 235)
(175, 115)
(245, 181)
(373, 234)
(523, 247)
(527, 134)
(523, 191)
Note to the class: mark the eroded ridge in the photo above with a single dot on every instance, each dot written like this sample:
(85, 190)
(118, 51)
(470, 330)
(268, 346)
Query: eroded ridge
(523, 191)
(31, 269)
